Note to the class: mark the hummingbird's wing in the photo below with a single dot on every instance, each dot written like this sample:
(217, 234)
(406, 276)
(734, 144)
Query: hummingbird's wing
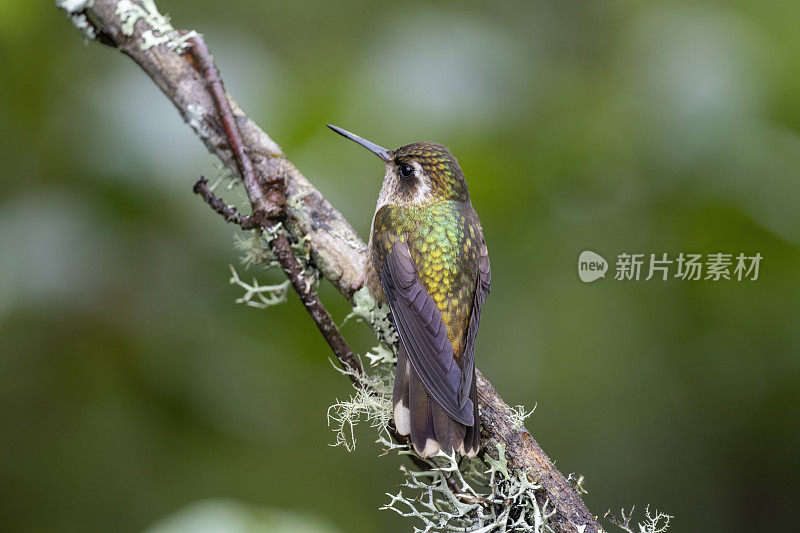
(482, 288)
(423, 335)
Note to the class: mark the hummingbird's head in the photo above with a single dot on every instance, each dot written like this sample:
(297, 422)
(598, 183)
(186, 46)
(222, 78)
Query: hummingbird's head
(416, 174)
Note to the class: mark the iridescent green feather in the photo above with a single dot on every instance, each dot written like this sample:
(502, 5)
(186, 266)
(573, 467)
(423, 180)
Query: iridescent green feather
(443, 246)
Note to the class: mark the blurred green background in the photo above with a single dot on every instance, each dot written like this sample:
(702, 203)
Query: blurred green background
(132, 386)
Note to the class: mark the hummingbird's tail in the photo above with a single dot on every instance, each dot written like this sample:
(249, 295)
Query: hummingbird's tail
(430, 427)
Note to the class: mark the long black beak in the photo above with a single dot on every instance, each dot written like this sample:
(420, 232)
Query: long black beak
(381, 152)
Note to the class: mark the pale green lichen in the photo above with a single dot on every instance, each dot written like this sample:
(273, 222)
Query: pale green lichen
(297, 203)
(365, 309)
(294, 203)
(519, 415)
(372, 400)
(75, 11)
(256, 251)
(260, 296)
(379, 355)
(370, 403)
(160, 30)
(656, 522)
(470, 495)
(74, 6)
(194, 117)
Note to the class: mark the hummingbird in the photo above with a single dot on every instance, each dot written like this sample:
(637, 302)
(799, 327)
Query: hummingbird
(428, 261)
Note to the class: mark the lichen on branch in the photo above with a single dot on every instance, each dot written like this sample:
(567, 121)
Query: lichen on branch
(370, 402)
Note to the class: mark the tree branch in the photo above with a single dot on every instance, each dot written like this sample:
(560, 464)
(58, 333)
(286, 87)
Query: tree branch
(335, 247)
(267, 201)
(228, 212)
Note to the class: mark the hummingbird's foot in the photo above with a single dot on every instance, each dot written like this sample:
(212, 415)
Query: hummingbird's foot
(358, 283)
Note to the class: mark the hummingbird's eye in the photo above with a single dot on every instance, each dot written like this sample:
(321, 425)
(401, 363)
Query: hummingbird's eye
(406, 171)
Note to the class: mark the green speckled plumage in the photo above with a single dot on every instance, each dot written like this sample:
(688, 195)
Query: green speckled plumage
(442, 240)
